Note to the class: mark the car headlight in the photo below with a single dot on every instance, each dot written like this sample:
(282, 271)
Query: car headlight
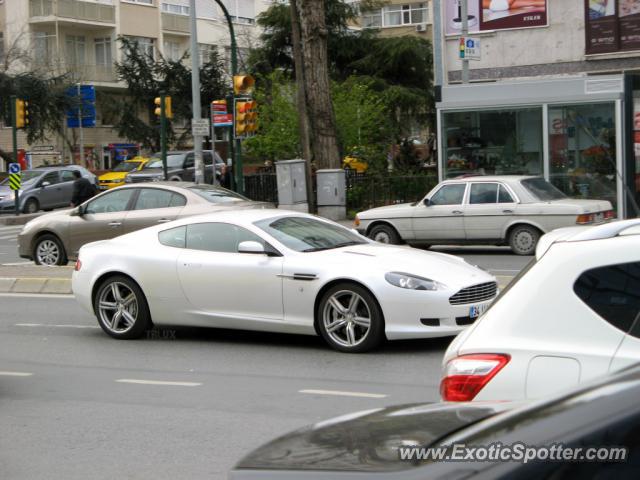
(412, 282)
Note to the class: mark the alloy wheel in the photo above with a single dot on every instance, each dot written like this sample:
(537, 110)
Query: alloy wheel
(118, 307)
(48, 253)
(346, 318)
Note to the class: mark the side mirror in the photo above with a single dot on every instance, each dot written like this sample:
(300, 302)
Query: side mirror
(77, 212)
(45, 184)
(251, 247)
(427, 202)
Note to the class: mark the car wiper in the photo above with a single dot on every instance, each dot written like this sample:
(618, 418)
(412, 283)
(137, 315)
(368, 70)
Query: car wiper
(337, 245)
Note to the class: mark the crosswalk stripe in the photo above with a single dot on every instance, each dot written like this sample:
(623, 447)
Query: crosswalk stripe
(8, 237)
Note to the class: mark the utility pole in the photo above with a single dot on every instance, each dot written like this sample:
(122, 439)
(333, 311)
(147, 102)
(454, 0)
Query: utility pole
(465, 32)
(163, 136)
(81, 156)
(195, 96)
(14, 132)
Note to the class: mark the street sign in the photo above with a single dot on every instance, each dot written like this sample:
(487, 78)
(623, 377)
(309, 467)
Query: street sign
(223, 120)
(200, 127)
(84, 106)
(469, 48)
(219, 108)
(15, 176)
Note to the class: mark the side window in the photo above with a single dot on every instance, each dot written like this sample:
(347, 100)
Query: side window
(153, 198)
(613, 292)
(116, 201)
(504, 196)
(174, 237)
(449, 195)
(218, 237)
(189, 162)
(177, 200)
(51, 177)
(67, 176)
(207, 157)
(483, 193)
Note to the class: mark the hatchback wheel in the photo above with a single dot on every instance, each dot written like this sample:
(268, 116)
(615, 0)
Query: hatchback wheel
(523, 239)
(49, 251)
(121, 308)
(31, 206)
(349, 319)
(384, 234)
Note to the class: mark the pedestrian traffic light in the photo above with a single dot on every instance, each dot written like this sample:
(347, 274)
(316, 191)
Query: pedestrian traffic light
(22, 113)
(243, 84)
(245, 118)
(168, 112)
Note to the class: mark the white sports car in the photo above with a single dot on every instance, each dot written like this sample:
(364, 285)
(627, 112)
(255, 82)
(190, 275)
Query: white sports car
(277, 271)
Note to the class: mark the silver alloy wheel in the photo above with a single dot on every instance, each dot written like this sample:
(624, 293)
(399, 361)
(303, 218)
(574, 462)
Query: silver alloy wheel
(524, 240)
(346, 318)
(118, 307)
(382, 237)
(48, 253)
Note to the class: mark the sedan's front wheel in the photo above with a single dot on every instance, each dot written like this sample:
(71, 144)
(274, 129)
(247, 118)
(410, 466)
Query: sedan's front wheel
(349, 319)
(384, 234)
(121, 308)
(49, 251)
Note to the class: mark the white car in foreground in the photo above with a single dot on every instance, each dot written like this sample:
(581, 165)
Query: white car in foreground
(277, 271)
(574, 314)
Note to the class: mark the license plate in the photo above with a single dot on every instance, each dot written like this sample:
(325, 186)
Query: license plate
(477, 310)
(598, 217)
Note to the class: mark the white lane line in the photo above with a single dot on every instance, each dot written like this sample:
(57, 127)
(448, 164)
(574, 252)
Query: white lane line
(158, 382)
(15, 264)
(343, 394)
(9, 237)
(64, 296)
(56, 326)
(16, 374)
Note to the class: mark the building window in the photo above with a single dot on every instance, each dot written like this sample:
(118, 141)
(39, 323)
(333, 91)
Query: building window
(205, 51)
(396, 15)
(172, 50)
(103, 51)
(241, 11)
(42, 48)
(176, 9)
(144, 2)
(144, 44)
(493, 142)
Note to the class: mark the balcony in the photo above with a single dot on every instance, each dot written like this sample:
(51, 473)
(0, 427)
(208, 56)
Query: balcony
(74, 10)
(175, 23)
(94, 73)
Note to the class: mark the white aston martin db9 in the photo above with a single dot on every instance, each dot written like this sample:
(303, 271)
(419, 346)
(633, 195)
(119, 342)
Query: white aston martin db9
(278, 271)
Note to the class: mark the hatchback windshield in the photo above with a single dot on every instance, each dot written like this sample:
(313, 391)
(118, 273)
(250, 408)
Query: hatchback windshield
(542, 190)
(126, 166)
(27, 176)
(309, 235)
(217, 195)
(173, 161)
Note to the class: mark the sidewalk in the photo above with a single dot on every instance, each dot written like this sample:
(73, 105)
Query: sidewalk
(35, 279)
(11, 219)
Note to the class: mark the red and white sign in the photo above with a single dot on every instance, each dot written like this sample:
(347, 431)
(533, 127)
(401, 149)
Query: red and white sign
(222, 120)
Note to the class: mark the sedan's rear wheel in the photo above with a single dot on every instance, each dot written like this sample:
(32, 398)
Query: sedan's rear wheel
(523, 239)
(49, 251)
(384, 234)
(350, 319)
(121, 308)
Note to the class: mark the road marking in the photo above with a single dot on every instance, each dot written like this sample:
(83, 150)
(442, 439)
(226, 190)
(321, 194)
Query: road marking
(64, 296)
(504, 271)
(343, 394)
(57, 326)
(9, 237)
(158, 382)
(15, 264)
(16, 374)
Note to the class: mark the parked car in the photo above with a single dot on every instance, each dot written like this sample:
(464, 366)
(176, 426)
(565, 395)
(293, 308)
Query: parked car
(43, 188)
(599, 422)
(180, 167)
(279, 271)
(573, 314)
(497, 210)
(115, 178)
(55, 238)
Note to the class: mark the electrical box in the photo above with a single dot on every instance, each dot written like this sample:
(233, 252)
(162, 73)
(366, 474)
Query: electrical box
(292, 186)
(331, 187)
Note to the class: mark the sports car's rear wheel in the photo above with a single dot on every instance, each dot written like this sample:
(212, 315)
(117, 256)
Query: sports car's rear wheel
(350, 319)
(121, 308)
(384, 234)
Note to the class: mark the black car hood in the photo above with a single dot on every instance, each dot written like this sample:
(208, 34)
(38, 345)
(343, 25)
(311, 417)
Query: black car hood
(365, 441)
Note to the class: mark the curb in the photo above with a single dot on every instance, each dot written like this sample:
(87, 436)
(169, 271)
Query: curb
(11, 219)
(61, 286)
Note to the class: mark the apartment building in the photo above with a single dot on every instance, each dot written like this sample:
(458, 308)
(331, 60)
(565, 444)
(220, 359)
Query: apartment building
(554, 93)
(399, 18)
(80, 37)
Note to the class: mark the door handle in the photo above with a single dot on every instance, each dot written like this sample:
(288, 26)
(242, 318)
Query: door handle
(115, 224)
(164, 220)
(507, 211)
(457, 212)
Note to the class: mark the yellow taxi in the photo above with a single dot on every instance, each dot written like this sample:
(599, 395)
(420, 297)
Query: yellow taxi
(115, 177)
(355, 163)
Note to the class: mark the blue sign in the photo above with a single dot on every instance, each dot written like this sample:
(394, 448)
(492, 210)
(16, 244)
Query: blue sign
(14, 168)
(84, 113)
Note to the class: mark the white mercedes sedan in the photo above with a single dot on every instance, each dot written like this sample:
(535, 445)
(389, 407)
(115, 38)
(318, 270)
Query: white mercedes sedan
(278, 271)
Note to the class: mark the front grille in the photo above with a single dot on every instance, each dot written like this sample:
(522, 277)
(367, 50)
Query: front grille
(475, 294)
(140, 179)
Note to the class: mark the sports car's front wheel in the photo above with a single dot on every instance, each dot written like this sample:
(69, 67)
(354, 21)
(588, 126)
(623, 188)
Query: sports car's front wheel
(349, 319)
(121, 308)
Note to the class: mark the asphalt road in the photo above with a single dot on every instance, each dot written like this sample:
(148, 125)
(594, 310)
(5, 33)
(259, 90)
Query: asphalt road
(76, 404)
(9, 243)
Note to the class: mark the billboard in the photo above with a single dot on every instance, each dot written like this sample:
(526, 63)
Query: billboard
(486, 15)
(612, 25)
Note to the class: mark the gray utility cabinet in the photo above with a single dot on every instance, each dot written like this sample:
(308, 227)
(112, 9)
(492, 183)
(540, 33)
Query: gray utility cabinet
(331, 187)
(292, 187)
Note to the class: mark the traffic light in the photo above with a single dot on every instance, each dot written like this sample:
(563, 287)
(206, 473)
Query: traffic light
(168, 112)
(22, 113)
(245, 118)
(243, 84)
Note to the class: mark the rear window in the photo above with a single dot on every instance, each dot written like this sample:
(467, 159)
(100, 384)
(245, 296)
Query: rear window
(613, 292)
(542, 190)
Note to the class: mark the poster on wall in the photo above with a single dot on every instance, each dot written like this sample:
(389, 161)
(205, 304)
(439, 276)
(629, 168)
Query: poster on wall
(629, 24)
(601, 26)
(486, 15)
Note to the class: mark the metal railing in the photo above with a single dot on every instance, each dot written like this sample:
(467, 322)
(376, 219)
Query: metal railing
(261, 187)
(369, 191)
(74, 9)
(176, 23)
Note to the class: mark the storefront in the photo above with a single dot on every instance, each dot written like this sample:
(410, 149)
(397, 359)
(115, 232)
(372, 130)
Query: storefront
(573, 131)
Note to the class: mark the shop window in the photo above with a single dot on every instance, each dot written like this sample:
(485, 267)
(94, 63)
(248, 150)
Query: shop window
(493, 142)
(582, 154)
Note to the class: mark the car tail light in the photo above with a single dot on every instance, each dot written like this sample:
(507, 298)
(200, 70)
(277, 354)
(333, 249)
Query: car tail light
(585, 219)
(356, 221)
(466, 375)
(609, 215)
(78, 265)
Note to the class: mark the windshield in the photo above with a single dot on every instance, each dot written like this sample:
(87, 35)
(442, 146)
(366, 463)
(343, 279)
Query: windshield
(304, 234)
(542, 190)
(173, 161)
(27, 176)
(217, 195)
(126, 166)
